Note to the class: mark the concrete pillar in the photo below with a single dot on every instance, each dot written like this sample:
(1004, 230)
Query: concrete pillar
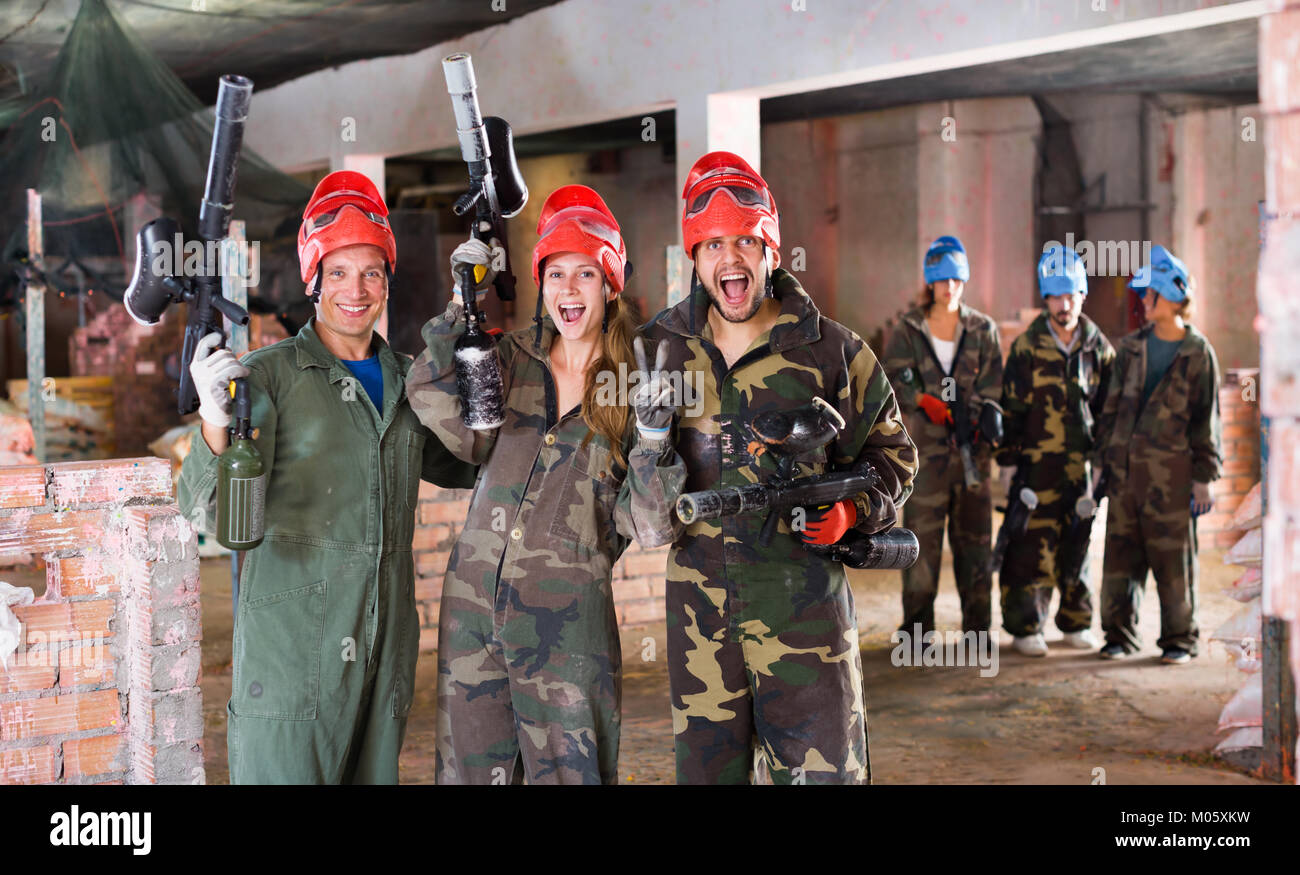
(1279, 309)
(712, 122)
(373, 167)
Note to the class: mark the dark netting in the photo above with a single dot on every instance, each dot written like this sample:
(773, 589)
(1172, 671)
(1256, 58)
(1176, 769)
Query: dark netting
(113, 123)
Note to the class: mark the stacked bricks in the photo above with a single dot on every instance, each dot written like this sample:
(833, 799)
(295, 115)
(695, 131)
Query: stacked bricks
(144, 397)
(104, 688)
(438, 522)
(638, 576)
(1239, 412)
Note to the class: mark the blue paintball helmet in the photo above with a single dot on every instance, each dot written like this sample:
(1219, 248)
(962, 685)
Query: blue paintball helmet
(1166, 274)
(1061, 272)
(946, 260)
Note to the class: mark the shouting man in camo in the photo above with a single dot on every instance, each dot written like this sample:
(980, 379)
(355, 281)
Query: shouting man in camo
(762, 641)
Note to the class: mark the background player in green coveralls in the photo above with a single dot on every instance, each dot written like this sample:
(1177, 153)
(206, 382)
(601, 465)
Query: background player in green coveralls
(941, 351)
(1053, 388)
(1162, 448)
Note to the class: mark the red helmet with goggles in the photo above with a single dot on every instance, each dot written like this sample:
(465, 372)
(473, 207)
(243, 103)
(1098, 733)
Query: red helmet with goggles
(726, 197)
(575, 219)
(344, 210)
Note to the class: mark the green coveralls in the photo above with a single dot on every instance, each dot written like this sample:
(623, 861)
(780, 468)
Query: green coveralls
(326, 633)
(1153, 452)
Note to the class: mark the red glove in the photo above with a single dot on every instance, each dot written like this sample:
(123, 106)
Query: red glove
(937, 410)
(826, 525)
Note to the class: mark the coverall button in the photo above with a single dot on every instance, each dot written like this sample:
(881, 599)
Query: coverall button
(550, 439)
(255, 690)
(516, 534)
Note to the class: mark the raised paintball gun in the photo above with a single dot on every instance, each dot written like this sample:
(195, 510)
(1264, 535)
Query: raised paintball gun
(787, 435)
(160, 244)
(496, 192)
(241, 493)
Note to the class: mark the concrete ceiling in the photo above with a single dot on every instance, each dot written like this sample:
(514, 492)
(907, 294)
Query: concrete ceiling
(1208, 65)
(1218, 62)
(270, 41)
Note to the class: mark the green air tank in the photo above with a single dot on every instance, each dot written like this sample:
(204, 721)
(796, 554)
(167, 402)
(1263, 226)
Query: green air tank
(241, 481)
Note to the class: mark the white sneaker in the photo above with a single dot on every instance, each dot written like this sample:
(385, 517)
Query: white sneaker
(1081, 640)
(1030, 645)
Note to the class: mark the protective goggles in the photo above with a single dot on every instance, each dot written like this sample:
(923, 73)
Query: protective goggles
(323, 220)
(743, 194)
(599, 229)
(935, 257)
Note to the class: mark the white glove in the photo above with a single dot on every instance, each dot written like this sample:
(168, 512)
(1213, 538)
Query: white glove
(477, 252)
(212, 373)
(655, 399)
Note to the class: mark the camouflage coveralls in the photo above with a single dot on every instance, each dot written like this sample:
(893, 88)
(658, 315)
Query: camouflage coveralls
(1050, 406)
(939, 490)
(762, 641)
(529, 664)
(1152, 454)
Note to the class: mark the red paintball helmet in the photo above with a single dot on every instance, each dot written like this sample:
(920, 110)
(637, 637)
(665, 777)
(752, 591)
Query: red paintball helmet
(344, 210)
(575, 219)
(725, 197)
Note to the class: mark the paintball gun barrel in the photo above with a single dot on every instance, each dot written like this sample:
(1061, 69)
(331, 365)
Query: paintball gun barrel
(496, 192)
(1074, 549)
(1015, 525)
(152, 290)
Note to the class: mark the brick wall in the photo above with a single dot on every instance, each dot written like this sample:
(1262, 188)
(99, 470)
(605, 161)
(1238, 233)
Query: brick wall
(144, 397)
(638, 576)
(105, 686)
(1239, 409)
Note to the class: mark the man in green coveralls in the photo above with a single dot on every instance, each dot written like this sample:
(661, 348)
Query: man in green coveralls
(326, 632)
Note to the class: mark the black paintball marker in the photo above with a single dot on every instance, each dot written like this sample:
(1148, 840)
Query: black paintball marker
(787, 435)
(153, 288)
(964, 433)
(496, 192)
(159, 280)
(1074, 549)
(964, 437)
(1022, 501)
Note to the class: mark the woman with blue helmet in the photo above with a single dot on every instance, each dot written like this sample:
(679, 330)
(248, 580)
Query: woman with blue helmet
(945, 363)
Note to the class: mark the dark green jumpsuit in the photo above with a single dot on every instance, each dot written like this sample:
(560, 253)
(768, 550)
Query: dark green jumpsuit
(326, 632)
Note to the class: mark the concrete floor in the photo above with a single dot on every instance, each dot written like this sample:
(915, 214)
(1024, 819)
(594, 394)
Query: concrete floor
(1052, 720)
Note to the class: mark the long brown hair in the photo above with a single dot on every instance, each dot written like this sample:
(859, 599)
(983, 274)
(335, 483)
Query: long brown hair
(610, 419)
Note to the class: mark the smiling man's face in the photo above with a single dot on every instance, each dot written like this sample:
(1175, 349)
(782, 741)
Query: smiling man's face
(353, 292)
(734, 274)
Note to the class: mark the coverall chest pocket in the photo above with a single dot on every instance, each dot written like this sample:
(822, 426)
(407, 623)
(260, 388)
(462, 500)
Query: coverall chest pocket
(1174, 410)
(576, 498)
(411, 463)
(278, 654)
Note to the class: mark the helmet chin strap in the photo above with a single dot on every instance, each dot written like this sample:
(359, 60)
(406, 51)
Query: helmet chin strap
(768, 290)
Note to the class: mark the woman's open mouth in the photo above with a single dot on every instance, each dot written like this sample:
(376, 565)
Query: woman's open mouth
(571, 313)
